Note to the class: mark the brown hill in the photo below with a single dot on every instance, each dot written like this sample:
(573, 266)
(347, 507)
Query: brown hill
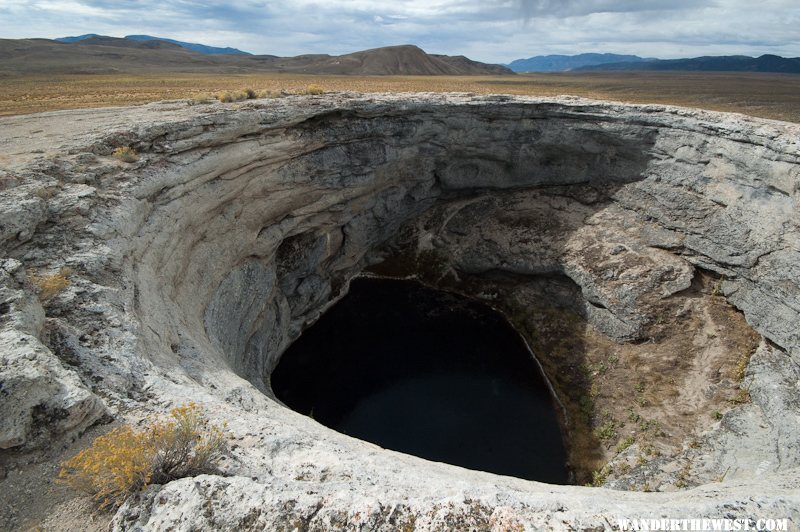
(41, 56)
(405, 60)
(101, 40)
(465, 64)
(104, 55)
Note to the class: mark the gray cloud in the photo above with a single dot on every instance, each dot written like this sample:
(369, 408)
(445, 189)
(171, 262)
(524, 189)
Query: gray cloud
(572, 8)
(489, 30)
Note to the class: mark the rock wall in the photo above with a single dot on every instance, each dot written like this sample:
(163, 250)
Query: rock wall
(194, 267)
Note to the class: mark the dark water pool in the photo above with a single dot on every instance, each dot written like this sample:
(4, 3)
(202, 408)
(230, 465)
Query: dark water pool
(426, 373)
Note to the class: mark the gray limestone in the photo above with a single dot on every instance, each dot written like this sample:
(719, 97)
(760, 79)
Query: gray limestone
(196, 266)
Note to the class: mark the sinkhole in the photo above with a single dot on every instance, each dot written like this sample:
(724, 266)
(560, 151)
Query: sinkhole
(427, 373)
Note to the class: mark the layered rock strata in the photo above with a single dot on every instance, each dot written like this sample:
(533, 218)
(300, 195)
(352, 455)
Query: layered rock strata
(191, 270)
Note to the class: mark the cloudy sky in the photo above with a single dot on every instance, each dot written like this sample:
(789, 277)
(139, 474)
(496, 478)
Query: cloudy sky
(486, 30)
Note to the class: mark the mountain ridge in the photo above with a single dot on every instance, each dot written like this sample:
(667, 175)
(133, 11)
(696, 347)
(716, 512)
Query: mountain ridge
(96, 54)
(562, 63)
(725, 63)
(195, 47)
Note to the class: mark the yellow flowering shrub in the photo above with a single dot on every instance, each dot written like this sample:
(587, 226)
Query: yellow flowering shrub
(127, 460)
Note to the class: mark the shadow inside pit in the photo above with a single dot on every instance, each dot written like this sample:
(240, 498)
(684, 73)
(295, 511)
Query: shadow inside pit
(427, 373)
(572, 163)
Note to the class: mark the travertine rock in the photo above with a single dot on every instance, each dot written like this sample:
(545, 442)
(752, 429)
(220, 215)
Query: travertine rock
(237, 503)
(41, 399)
(197, 265)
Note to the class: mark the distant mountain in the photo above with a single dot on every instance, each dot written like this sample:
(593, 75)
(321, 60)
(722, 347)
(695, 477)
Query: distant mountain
(725, 63)
(93, 38)
(465, 65)
(403, 60)
(101, 40)
(201, 48)
(96, 54)
(561, 63)
(76, 39)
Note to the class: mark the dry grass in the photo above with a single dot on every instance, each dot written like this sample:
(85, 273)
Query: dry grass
(237, 96)
(127, 460)
(50, 285)
(314, 89)
(774, 96)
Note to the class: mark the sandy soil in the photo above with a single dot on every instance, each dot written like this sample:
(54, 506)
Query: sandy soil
(31, 499)
(687, 375)
(775, 96)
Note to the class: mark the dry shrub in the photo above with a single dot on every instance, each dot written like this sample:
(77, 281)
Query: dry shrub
(740, 370)
(45, 193)
(225, 97)
(272, 94)
(126, 154)
(314, 89)
(203, 98)
(236, 96)
(250, 94)
(49, 286)
(127, 460)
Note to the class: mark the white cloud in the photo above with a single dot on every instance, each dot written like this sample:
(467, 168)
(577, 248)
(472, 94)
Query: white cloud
(70, 8)
(489, 30)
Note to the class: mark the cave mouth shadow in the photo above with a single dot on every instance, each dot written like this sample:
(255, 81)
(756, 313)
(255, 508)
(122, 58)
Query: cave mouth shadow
(578, 156)
(428, 373)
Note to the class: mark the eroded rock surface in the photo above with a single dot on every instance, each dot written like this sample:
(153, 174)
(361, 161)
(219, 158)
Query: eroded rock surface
(41, 398)
(193, 268)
